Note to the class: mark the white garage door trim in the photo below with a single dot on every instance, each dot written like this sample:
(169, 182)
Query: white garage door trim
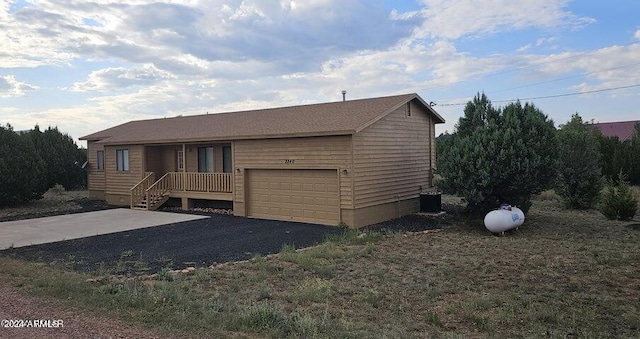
(305, 195)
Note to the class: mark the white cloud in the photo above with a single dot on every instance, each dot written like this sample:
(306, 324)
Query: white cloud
(607, 67)
(142, 59)
(10, 87)
(637, 35)
(118, 78)
(454, 19)
(296, 36)
(524, 48)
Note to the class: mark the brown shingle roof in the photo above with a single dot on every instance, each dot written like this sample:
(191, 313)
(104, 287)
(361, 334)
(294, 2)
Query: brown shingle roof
(622, 130)
(336, 118)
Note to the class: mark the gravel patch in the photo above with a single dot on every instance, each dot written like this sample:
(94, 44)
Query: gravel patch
(220, 238)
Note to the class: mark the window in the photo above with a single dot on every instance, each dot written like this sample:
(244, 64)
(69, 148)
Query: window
(100, 156)
(408, 109)
(226, 159)
(205, 159)
(122, 159)
(180, 158)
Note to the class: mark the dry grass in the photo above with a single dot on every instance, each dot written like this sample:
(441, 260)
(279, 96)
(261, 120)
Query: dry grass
(563, 274)
(53, 200)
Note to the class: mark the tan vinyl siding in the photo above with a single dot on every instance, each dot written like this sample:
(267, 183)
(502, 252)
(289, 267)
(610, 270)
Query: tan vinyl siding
(392, 158)
(120, 182)
(95, 177)
(333, 152)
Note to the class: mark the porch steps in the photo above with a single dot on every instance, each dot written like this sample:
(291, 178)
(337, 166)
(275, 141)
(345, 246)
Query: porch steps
(155, 203)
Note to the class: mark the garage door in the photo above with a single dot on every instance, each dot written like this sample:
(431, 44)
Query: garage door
(296, 195)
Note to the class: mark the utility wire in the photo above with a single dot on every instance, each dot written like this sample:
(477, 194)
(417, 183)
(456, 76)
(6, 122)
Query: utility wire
(565, 78)
(554, 96)
(531, 65)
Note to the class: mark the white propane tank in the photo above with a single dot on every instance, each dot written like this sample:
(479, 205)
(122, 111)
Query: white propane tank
(503, 219)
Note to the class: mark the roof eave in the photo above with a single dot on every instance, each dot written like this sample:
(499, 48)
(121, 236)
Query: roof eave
(225, 138)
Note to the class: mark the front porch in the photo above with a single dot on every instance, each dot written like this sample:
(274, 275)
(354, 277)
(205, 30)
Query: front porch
(149, 193)
(186, 171)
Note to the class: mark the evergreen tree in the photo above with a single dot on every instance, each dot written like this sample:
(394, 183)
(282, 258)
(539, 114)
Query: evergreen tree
(477, 113)
(579, 182)
(443, 141)
(500, 155)
(22, 171)
(61, 156)
(621, 157)
(634, 166)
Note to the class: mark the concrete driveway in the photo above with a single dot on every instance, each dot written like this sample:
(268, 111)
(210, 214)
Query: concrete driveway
(73, 226)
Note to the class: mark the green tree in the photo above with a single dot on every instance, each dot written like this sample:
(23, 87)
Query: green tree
(634, 166)
(500, 155)
(477, 113)
(62, 157)
(621, 157)
(22, 171)
(443, 141)
(619, 201)
(609, 146)
(579, 176)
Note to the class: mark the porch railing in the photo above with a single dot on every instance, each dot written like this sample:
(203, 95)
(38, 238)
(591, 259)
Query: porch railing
(158, 191)
(201, 182)
(138, 192)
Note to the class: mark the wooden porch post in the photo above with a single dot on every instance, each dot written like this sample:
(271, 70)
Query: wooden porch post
(185, 201)
(184, 167)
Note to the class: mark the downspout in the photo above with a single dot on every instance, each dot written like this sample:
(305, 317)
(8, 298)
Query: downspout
(431, 141)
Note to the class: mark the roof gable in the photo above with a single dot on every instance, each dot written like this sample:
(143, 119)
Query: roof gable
(336, 118)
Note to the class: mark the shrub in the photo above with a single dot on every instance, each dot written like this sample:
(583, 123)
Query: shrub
(500, 155)
(264, 316)
(627, 202)
(619, 202)
(578, 183)
(57, 189)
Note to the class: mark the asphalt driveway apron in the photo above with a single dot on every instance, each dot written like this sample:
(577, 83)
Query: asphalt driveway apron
(216, 238)
(73, 226)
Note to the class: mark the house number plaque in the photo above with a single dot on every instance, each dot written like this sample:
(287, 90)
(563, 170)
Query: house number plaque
(289, 161)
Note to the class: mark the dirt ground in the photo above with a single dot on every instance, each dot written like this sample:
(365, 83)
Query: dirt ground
(54, 203)
(76, 324)
(15, 305)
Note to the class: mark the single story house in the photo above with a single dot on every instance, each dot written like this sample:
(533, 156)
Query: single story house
(355, 162)
(623, 130)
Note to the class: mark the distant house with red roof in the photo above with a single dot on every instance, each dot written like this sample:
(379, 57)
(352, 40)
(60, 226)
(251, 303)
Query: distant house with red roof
(623, 130)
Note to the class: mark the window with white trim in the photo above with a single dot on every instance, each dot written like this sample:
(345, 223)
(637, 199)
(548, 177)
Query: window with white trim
(180, 158)
(122, 160)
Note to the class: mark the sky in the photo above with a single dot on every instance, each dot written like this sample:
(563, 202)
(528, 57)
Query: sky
(84, 66)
